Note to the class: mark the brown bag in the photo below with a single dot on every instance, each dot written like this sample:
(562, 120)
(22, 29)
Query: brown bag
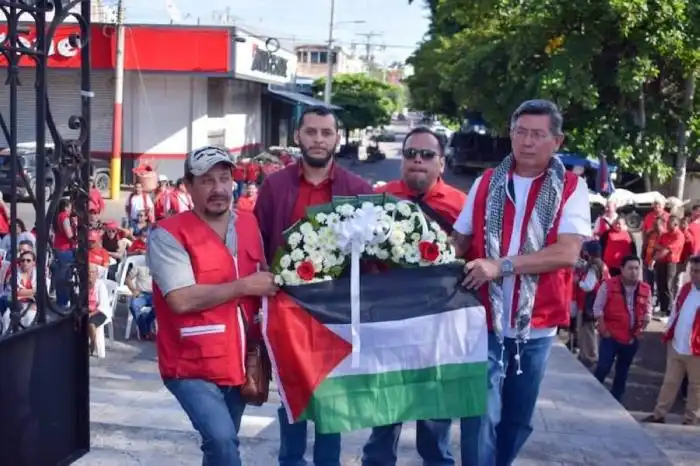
(258, 369)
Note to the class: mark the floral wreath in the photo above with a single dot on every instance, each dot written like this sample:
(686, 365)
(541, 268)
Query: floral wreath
(396, 232)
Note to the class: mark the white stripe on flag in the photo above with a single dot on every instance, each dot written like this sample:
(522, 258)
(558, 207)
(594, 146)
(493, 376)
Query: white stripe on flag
(455, 337)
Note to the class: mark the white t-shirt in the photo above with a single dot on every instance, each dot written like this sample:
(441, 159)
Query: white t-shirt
(685, 321)
(575, 219)
(136, 204)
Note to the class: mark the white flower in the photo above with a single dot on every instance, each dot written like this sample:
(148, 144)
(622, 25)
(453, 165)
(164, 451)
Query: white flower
(404, 209)
(317, 260)
(332, 219)
(415, 237)
(321, 218)
(412, 256)
(382, 254)
(285, 261)
(297, 255)
(294, 239)
(306, 228)
(397, 238)
(390, 207)
(397, 253)
(311, 238)
(435, 226)
(367, 206)
(279, 281)
(346, 210)
(442, 236)
(290, 277)
(429, 236)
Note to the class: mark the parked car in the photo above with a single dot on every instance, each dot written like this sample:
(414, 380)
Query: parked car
(99, 172)
(472, 152)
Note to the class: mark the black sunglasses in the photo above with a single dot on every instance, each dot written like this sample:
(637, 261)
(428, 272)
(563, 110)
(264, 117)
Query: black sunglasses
(425, 154)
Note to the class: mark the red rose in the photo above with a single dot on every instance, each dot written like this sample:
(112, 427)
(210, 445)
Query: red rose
(429, 252)
(306, 271)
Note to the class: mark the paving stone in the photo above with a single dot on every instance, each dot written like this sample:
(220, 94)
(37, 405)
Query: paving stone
(136, 421)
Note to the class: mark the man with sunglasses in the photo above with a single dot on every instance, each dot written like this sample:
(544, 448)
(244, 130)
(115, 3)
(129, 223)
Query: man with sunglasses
(421, 181)
(523, 224)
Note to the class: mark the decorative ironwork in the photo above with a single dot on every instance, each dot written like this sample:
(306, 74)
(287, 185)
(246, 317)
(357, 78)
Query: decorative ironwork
(45, 357)
(67, 158)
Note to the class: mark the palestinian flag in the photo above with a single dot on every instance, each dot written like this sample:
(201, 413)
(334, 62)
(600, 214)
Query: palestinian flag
(423, 351)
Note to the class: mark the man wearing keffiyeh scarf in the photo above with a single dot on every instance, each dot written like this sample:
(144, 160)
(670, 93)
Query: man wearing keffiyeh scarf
(522, 226)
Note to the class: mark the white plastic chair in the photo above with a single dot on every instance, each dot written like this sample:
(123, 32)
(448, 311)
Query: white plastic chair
(100, 334)
(3, 270)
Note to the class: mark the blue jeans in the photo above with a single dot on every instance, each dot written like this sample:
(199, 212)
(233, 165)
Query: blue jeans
(144, 320)
(609, 352)
(432, 443)
(62, 275)
(293, 444)
(495, 439)
(215, 412)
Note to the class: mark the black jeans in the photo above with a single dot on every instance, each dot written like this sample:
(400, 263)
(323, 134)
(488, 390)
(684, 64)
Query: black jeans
(622, 355)
(665, 275)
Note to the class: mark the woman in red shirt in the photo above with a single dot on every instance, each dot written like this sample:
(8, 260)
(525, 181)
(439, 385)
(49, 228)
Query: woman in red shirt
(64, 255)
(668, 253)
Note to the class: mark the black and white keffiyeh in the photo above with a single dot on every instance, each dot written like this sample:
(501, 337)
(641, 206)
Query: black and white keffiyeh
(541, 221)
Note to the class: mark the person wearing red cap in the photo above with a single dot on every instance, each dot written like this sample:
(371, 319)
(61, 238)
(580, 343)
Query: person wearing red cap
(96, 253)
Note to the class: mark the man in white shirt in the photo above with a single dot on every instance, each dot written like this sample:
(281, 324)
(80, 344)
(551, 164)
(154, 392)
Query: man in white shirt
(138, 201)
(683, 352)
(523, 224)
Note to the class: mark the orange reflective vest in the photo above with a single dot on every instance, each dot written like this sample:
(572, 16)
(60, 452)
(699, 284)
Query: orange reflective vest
(209, 344)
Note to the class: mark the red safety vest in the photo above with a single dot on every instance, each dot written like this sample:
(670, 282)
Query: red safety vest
(695, 333)
(579, 294)
(616, 316)
(554, 289)
(617, 247)
(210, 344)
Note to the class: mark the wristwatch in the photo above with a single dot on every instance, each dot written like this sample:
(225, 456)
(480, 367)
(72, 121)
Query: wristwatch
(507, 268)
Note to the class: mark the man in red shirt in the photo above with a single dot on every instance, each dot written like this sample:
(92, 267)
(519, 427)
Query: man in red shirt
(421, 181)
(282, 200)
(657, 210)
(667, 257)
(239, 174)
(694, 229)
(247, 202)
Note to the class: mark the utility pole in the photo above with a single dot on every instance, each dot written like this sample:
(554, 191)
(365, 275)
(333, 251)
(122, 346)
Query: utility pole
(329, 58)
(118, 113)
(369, 45)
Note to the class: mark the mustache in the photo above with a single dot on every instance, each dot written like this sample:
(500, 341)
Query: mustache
(218, 197)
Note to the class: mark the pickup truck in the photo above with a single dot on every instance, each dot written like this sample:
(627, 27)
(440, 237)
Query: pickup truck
(99, 170)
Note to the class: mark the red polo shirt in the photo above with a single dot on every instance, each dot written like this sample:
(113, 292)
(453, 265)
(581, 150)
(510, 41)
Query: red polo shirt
(694, 233)
(443, 198)
(650, 218)
(674, 242)
(310, 194)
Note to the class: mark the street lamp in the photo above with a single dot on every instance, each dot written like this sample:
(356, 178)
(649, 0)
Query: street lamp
(329, 58)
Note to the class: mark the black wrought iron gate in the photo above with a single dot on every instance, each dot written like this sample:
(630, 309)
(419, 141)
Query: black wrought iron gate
(44, 397)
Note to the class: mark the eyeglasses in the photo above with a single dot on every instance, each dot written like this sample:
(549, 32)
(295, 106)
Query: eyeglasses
(425, 154)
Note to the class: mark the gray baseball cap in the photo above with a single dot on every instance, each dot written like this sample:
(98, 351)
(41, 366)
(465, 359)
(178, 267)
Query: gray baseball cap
(201, 160)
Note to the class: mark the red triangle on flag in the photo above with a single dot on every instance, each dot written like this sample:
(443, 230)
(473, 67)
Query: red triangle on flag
(305, 350)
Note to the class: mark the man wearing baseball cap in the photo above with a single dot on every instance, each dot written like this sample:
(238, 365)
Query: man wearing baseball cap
(206, 290)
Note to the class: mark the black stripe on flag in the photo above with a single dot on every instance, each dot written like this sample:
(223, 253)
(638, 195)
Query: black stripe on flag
(396, 294)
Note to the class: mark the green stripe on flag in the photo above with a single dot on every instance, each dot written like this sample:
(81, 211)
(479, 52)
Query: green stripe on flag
(353, 402)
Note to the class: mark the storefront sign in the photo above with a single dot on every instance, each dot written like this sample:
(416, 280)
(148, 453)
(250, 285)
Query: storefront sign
(256, 62)
(61, 48)
(269, 63)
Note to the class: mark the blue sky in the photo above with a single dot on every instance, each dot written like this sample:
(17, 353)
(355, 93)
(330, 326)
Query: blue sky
(305, 21)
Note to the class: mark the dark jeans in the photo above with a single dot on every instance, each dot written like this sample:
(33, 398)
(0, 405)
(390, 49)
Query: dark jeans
(665, 275)
(144, 320)
(495, 439)
(611, 351)
(63, 261)
(432, 443)
(293, 444)
(215, 412)
(649, 278)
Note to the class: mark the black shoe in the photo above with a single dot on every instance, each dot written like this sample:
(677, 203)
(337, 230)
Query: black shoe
(654, 420)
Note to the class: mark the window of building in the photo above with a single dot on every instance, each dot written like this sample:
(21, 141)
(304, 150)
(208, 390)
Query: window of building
(216, 96)
(304, 57)
(323, 57)
(335, 58)
(315, 57)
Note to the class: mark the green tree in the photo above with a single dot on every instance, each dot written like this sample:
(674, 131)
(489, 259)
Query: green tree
(365, 101)
(623, 71)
